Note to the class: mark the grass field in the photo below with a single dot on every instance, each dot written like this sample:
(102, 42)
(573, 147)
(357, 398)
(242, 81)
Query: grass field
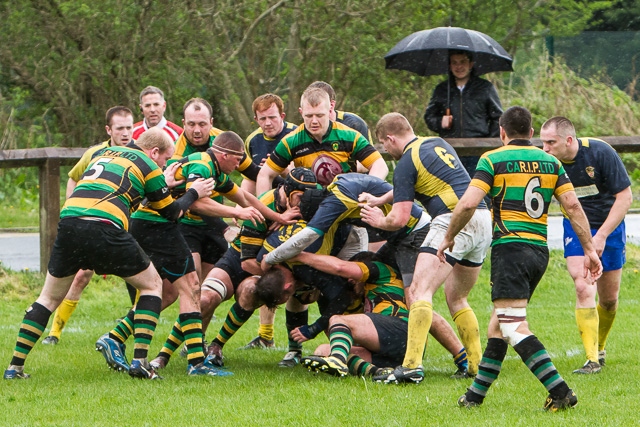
(71, 385)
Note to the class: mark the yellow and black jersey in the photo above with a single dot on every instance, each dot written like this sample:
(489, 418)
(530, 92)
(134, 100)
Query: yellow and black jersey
(430, 171)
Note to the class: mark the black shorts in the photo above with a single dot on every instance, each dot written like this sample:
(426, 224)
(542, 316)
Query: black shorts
(83, 244)
(516, 269)
(402, 250)
(204, 240)
(232, 265)
(392, 334)
(166, 247)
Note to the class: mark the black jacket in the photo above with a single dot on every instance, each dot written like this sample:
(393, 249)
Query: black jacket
(475, 110)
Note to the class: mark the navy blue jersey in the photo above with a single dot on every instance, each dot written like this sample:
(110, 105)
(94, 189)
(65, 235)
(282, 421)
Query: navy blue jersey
(258, 146)
(597, 174)
(354, 122)
(341, 205)
(430, 171)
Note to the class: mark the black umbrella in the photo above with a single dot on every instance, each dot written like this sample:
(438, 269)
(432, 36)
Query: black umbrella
(426, 52)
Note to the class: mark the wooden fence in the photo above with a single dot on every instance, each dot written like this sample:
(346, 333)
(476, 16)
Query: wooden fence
(49, 160)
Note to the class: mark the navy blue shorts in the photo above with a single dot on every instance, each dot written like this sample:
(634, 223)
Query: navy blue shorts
(614, 255)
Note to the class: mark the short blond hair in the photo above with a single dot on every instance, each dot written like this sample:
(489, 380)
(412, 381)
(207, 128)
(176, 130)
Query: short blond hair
(314, 97)
(564, 127)
(154, 138)
(392, 124)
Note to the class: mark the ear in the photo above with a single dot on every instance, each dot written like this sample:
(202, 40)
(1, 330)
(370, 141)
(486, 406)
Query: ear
(108, 129)
(531, 132)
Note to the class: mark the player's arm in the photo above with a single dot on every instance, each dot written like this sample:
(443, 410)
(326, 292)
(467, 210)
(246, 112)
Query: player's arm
(372, 200)
(292, 247)
(397, 218)
(246, 199)
(71, 185)
(580, 225)
(265, 178)
(619, 209)
(332, 265)
(379, 169)
(461, 215)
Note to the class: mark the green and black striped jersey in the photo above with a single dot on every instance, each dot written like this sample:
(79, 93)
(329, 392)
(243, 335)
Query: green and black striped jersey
(521, 179)
(115, 183)
(384, 290)
(341, 143)
(253, 236)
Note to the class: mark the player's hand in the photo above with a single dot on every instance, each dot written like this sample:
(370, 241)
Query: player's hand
(447, 122)
(368, 199)
(444, 245)
(214, 354)
(264, 265)
(204, 187)
(170, 175)
(298, 336)
(372, 215)
(249, 213)
(599, 242)
(592, 267)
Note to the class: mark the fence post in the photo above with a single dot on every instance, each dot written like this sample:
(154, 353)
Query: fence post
(49, 208)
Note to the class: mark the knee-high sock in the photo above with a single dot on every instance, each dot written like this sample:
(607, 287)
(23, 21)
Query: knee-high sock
(461, 361)
(587, 320)
(488, 369)
(145, 320)
(294, 320)
(173, 341)
(535, 356)
(605, 323)
(420, 318)
(124, 328)
(236, 317)
(191, 325)
(360, 367)
(62, 316)
(340, 340)
(33, 325)
(266, 331)
(469, 332)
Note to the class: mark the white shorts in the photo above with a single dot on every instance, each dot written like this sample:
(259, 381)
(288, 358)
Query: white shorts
(471, 244)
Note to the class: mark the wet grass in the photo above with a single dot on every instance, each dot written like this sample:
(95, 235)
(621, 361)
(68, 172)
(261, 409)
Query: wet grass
(71, 385)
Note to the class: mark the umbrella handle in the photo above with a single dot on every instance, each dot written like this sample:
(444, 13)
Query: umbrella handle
(448, 112)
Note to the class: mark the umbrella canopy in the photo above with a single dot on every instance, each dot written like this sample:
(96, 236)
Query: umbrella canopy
(426, 52)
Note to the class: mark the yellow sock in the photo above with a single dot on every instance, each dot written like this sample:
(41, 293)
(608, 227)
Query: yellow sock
(604, 326)
(420, 318)
(587, 320)
(266, 331)
(469, 332)
(62, 316)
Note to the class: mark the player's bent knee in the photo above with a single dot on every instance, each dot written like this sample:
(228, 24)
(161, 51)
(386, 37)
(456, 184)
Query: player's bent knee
(509, 320)
(215, 285)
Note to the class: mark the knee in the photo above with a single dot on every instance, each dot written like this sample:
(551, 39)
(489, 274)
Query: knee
(609, 305)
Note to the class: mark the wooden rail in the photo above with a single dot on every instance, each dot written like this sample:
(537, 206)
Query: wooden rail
(49, 160)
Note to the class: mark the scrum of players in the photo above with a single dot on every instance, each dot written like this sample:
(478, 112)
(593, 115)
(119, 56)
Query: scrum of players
(318, 224)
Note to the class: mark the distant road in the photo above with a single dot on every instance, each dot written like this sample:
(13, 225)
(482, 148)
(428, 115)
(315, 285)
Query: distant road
(20, 251)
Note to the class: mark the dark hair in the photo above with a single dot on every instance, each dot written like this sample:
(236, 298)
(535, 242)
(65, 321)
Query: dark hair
(118, 110)
(270, 287)
(364, 256)
(516, 122)
(461, 52)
